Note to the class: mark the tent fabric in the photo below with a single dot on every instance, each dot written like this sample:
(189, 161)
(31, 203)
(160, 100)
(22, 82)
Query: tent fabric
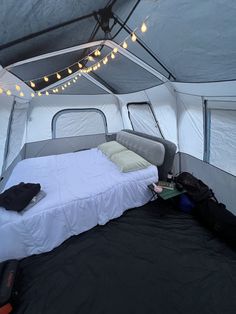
(82, 86)
(223, 140)
(17, 134)
(78, 122)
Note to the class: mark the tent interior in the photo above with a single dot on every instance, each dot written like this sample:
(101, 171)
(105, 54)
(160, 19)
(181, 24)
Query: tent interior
(73, 75)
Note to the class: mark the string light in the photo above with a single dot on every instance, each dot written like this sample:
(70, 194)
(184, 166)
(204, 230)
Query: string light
(74, 80)
(47, 93)
(8, 92)
(143, 27)
(89, 57)
(133, 37)
(1, 90)
(18, 88)
(97, 53)
(125, 45)
(39, 94)
(32, 95)
(22, 94)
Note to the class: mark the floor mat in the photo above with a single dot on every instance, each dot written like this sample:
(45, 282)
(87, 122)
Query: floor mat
(153, 259)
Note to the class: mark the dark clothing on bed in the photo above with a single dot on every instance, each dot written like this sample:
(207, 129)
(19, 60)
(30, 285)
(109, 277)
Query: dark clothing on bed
(19, 196)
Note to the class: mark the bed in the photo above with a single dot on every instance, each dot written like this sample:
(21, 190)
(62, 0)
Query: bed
(82, 189)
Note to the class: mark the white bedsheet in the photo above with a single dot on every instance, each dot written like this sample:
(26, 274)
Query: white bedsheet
(83, 189)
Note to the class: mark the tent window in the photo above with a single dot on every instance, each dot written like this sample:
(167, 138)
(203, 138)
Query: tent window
(78, 122)
(143, 119)
(223, 139)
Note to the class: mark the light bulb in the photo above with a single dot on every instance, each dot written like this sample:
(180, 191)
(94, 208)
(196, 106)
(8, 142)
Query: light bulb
(46, 79)
(18, 88)
(125, 45)
(80, 65)
(32, 95)
(79, 74)
(69, 71)
(32, 84)
(115, 50)
(112, 55)
(54, 91)
(143, 27)
(98, 53)
(22, 94)
(90, 58)
(47, 93)
(39, 94)
(62, 87)
(95, 68)
(58, 76)
(8, 92)
(57, 90)
(65, 85)
(68, 83)
(74, 80)
(98, 65)
(133, 37)
(1, 90)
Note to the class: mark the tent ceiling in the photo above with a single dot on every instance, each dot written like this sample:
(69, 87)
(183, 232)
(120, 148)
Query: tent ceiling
(194, 40)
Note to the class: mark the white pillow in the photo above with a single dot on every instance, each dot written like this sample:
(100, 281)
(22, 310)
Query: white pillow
(127, 161)
(111, 148)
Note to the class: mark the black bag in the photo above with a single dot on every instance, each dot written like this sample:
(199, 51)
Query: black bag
(196, 189)
(208, 210)
(19, 196)
(217, 218)
(8, 273)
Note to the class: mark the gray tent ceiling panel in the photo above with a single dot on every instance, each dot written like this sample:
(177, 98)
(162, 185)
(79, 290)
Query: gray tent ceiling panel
(82, 87)
(124, 76)
(196, 40)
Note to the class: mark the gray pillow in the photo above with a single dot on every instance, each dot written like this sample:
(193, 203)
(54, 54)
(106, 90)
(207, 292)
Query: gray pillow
(127, 161)
(111, 148)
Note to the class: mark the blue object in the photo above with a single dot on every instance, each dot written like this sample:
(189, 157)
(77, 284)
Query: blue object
(185, 204)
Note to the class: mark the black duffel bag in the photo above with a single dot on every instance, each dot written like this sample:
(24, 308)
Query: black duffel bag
(207, 209)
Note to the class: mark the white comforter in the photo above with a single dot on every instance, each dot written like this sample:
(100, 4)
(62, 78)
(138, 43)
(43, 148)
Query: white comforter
(83, 189)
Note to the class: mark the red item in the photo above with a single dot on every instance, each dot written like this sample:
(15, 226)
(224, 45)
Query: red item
(6, 309)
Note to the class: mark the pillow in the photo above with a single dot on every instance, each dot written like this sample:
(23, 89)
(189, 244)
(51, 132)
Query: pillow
(127, 161)
(110, 148)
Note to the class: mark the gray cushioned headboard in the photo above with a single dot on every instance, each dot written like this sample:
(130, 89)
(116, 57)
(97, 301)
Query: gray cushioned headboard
(170, 150)
(152, 151)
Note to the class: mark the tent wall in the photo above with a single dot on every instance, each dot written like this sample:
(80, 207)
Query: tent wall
(44, 109)
(207, 135)
(163, 103)
(6, 106)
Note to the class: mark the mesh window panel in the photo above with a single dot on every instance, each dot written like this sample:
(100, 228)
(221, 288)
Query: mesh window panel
(125, 76)
(77, 122)
(143, 120)
(82, 87)
(223, 140)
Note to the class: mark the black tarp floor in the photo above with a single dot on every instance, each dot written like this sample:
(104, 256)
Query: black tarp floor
(153, 259)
